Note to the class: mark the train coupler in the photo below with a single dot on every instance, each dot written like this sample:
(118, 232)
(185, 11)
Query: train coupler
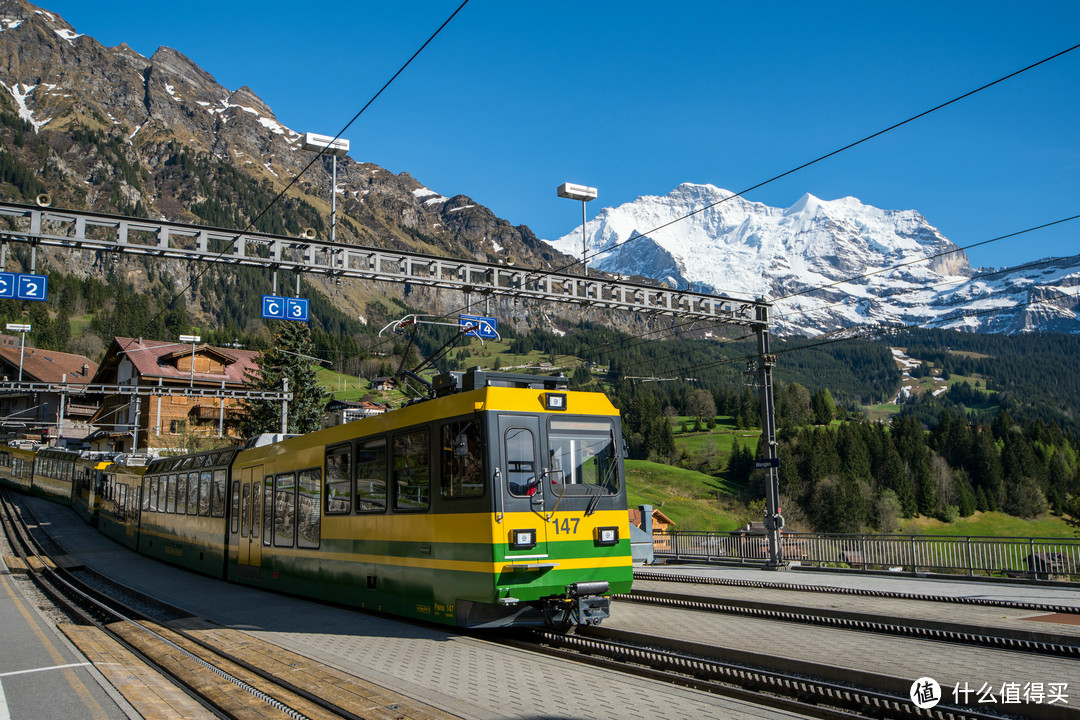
(592, 609)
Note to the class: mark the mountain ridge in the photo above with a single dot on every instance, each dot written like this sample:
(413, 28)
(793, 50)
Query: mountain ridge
(821, 262)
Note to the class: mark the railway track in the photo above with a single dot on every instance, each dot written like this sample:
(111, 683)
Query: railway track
(239, 660)
(859, 592)
(799, 691)
(224, 673)
(1003, 639)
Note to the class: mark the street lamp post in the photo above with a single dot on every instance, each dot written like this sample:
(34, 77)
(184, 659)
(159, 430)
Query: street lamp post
(21, 328)
(584, 193)
(333, 147)
(191, 339)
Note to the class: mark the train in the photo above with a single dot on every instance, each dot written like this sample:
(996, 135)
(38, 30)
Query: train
(499, 501)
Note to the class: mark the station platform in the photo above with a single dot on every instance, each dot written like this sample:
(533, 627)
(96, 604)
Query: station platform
(1065, 595)
(462, 675)
(38, 662)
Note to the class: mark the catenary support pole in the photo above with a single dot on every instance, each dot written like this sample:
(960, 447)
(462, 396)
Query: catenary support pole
(774, 521)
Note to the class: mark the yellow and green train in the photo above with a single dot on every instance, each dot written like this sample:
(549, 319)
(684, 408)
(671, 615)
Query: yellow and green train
(499, 502)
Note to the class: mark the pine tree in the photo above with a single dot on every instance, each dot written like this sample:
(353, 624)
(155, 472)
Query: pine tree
(289, 357)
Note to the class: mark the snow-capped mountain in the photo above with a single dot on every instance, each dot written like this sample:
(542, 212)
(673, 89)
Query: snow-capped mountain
(745, 249)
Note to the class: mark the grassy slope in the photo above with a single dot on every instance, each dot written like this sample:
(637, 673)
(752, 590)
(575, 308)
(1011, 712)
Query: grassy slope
(995, 524)
(694, 501)
(697, 501)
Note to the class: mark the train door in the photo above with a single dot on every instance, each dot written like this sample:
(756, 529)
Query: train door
(248, 525)
(522, 489)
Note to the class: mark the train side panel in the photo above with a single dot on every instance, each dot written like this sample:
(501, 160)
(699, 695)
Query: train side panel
(16, 467)
(184, 511)
(118, 511)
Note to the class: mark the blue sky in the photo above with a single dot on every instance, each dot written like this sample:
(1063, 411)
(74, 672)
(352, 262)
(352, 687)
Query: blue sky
(514, 98)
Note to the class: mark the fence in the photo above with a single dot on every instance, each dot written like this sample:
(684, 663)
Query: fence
(1031, 558)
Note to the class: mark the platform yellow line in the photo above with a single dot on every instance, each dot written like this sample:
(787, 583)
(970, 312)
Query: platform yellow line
(92, 705)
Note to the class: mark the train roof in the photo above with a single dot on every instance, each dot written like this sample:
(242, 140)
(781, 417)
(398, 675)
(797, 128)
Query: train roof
(193, 461)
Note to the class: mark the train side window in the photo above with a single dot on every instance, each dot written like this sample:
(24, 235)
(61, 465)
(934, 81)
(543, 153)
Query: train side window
(204, 491)
(309, 509)
(236, 524)
(586, 452)
(146, 494)
(411, 471)
(181, 493)
(256, 504)
(121, 507)
(245, 508)
(521, 475)
(153, 501)
(218, 505)
(371, 477)
(268, 509)
(460, 462)
(339, 480)
(285, 510)
(170, 502)
(192, 493)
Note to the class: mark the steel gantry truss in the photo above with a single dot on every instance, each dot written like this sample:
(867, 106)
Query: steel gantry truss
(77, 230)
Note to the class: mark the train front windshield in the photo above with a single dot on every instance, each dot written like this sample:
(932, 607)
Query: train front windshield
(586, 453)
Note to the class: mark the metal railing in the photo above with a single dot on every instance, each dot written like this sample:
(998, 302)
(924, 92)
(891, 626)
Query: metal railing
(1026, 558)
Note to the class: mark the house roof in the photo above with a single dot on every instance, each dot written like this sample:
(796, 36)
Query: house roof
(151, 360)
(635, 517)
(48, 365)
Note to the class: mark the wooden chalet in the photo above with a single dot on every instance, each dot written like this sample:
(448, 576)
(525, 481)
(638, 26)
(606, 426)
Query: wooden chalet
(160, 421)
(63, 416)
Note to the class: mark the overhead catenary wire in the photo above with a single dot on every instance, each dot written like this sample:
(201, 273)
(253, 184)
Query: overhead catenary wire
(925, 259)
(858, 333)
(697, 211)
(228, 248)
(826, 156)
(626, 342)
(831, 154)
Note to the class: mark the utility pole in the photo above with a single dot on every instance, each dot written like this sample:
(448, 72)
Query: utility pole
(284, 406)
(135, 429)
(774, 521)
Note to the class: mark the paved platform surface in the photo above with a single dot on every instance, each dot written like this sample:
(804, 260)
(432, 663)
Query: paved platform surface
(952, 665)
(987, 589)
(463, 675)
(41, 676)
(977, 619)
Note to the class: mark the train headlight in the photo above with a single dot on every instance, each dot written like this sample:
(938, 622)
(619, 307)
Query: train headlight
(607, 536)
(555, 401)
(522, 539)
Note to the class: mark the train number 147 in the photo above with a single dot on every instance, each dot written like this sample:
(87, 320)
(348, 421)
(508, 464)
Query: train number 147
(567, 526)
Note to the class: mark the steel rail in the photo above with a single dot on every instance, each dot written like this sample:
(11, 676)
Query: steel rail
(761, 584)
(781, 690)
(71, 594)
(858, 622)
(88, 610)
(79, 230)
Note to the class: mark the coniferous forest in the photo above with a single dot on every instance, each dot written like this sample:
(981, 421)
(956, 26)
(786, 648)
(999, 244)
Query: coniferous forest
(1004, 437)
